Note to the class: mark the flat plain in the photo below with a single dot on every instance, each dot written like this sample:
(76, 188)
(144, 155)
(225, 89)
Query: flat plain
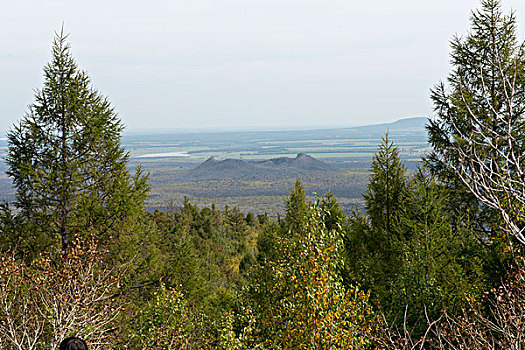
(169, 157)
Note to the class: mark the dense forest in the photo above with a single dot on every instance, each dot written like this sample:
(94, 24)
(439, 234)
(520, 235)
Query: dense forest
(434, 260)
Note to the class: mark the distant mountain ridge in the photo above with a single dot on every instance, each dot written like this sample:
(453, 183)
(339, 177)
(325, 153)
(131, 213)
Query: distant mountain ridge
(302, 161)
(404, 124)
(238, 169)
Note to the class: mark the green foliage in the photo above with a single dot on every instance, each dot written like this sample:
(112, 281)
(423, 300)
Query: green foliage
(385, 192)
(296, 208)
(168, 322)
(440, 267)
(228, 339)
(202, 252)
(297, 295)
(374, 243)
(66, 161)
(421, 263)
(334, 217)
(481, 101)
(475, 81)
(202, 278)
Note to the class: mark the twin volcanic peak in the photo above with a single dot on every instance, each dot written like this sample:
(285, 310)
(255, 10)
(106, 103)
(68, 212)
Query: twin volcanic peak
(301, 161)
(238, 169)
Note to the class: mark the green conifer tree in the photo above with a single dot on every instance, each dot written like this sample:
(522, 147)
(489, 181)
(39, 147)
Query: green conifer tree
(296, 209)
(373, 242)
(439, 266)
(386, 188)
(334, 216)
(479, 130)
(66, 161)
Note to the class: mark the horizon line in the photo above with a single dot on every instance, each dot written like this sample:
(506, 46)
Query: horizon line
(262, 128)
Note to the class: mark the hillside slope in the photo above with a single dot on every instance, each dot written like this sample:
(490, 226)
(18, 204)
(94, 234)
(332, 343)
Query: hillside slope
(237, 169)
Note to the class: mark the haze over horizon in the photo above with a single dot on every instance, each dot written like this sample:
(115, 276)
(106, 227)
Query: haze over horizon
(202, 64)
(270, 128)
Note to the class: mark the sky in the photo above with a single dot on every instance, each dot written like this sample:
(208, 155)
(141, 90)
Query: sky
(240, 64)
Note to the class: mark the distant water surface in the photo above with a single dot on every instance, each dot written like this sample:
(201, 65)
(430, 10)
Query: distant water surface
(162, 155)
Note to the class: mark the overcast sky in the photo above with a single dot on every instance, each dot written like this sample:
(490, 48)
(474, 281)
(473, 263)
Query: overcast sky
(192, 64)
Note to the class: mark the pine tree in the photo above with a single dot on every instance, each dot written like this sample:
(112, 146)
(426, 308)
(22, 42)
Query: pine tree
(386, 187)
(66, 161)
(478, 135)
(373, 241)
(334, 216)
(296, 209)
(439, 266)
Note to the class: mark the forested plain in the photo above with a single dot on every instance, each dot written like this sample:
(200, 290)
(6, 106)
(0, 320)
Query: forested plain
(432, 260)
(178, 167)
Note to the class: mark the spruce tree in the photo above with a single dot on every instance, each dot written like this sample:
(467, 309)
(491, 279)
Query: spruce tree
(373, 241)
(386, 187)
(296, 209)
(66, 161)
(333, 214)
(439, 266)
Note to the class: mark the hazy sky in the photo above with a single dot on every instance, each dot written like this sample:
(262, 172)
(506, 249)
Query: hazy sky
(183, 64)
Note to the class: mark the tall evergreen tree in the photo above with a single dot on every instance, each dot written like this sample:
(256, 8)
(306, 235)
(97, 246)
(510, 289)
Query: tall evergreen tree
(333, 214)
(65, 158)
(386, 187)
(296, 209)
(439, 266)
(478, 135)
(373, 242)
